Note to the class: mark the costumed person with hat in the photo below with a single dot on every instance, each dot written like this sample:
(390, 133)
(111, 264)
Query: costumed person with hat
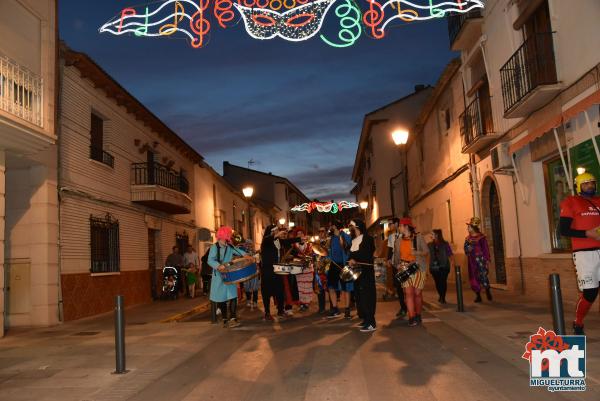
(361, 256)
(478, 257)
(221, 253)
(411, 247)
(580, 220)
(304, 280)
(271, 285)
(393, 236)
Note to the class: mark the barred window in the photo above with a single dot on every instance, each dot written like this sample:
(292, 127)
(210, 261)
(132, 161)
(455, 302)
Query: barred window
(105, 254)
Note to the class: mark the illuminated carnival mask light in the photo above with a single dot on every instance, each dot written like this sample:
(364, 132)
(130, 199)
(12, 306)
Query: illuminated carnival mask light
(263, 19)
(324, 207)
(297, 24)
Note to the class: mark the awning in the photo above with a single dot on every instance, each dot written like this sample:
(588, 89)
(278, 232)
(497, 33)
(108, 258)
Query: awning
(566, 115)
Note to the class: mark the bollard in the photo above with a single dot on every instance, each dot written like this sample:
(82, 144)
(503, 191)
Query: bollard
(460, 306)
(120, 335)
(558, 315)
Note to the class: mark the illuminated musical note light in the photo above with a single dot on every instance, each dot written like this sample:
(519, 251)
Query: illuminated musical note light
(266, 19)
(158, 22)
(427, 12)
(350, 16)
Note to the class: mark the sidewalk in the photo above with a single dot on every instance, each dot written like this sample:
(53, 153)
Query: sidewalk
(504, 325)
(75, 360)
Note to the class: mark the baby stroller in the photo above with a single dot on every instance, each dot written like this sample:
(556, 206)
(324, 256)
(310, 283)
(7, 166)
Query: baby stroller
(170, 280)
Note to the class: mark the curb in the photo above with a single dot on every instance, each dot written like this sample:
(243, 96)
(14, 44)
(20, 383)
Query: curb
(180, 316)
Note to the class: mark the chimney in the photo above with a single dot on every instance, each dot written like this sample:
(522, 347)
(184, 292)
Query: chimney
(419, 87)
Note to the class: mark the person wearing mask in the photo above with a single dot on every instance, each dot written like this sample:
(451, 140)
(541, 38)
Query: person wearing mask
(175, 259)
(221, 253)
(440, 261)
(393, 236)
(271, 285)
(361, 256)
(339, 244)
(580, 220)
(478, 257)
(411, 247)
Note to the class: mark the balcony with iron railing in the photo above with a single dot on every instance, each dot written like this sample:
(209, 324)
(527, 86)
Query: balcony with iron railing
(477, 126)
(464, 29)
(158, 186)
(100, 155)
(529, 78)
(21, 92)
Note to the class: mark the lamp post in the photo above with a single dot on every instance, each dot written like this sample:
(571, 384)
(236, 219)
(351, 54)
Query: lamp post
(400, 138)
(248, 192)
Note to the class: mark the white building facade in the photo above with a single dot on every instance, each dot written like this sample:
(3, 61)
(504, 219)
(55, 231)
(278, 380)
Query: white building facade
(531, 72)
(29, 273)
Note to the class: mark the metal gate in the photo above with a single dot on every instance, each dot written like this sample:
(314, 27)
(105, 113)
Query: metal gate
(498, 240)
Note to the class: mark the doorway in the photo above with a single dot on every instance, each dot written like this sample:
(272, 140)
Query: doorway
(497, 239)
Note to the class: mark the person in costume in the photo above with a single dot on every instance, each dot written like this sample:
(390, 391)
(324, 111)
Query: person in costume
(225, 296)
(478, 257)
(411, 247)
(339, 244)
(440, 261)
(361, 256)
(580, 220)
(271, 284)
(392, 238)
(303, 250)
(252, 286)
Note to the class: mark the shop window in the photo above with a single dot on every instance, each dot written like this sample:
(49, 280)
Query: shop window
(557, 189)
(104, 244)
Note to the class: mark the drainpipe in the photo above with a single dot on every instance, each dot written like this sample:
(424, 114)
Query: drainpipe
(392, 193)
(475, 187)
(59, 72)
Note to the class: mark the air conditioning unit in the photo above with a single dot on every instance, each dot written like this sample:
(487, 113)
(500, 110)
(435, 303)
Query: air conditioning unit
(500, 157)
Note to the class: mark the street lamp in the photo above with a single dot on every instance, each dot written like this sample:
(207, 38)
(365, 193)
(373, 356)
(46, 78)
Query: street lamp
(248, 192)
(364, 205)
(400, 138)
(292, 224)
(282, 221)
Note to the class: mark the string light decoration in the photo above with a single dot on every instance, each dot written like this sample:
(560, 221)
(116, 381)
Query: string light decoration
(350, 29)
(324, 207)
(291, 20)
(298, 24)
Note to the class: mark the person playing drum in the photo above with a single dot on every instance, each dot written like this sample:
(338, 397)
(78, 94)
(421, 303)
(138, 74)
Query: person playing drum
(411, 247)
(222, 294)
(304, 251)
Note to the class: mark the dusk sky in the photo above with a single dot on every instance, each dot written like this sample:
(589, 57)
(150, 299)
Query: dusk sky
(296, 108)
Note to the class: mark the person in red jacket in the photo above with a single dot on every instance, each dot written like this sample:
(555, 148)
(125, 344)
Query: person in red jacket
(580, 220)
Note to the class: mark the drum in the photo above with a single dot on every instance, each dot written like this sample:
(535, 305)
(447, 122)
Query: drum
(239, 270)
(350, 273)
(407, 270)
(287, 268)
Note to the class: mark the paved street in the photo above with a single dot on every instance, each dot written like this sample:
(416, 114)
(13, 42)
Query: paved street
(470, 356)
